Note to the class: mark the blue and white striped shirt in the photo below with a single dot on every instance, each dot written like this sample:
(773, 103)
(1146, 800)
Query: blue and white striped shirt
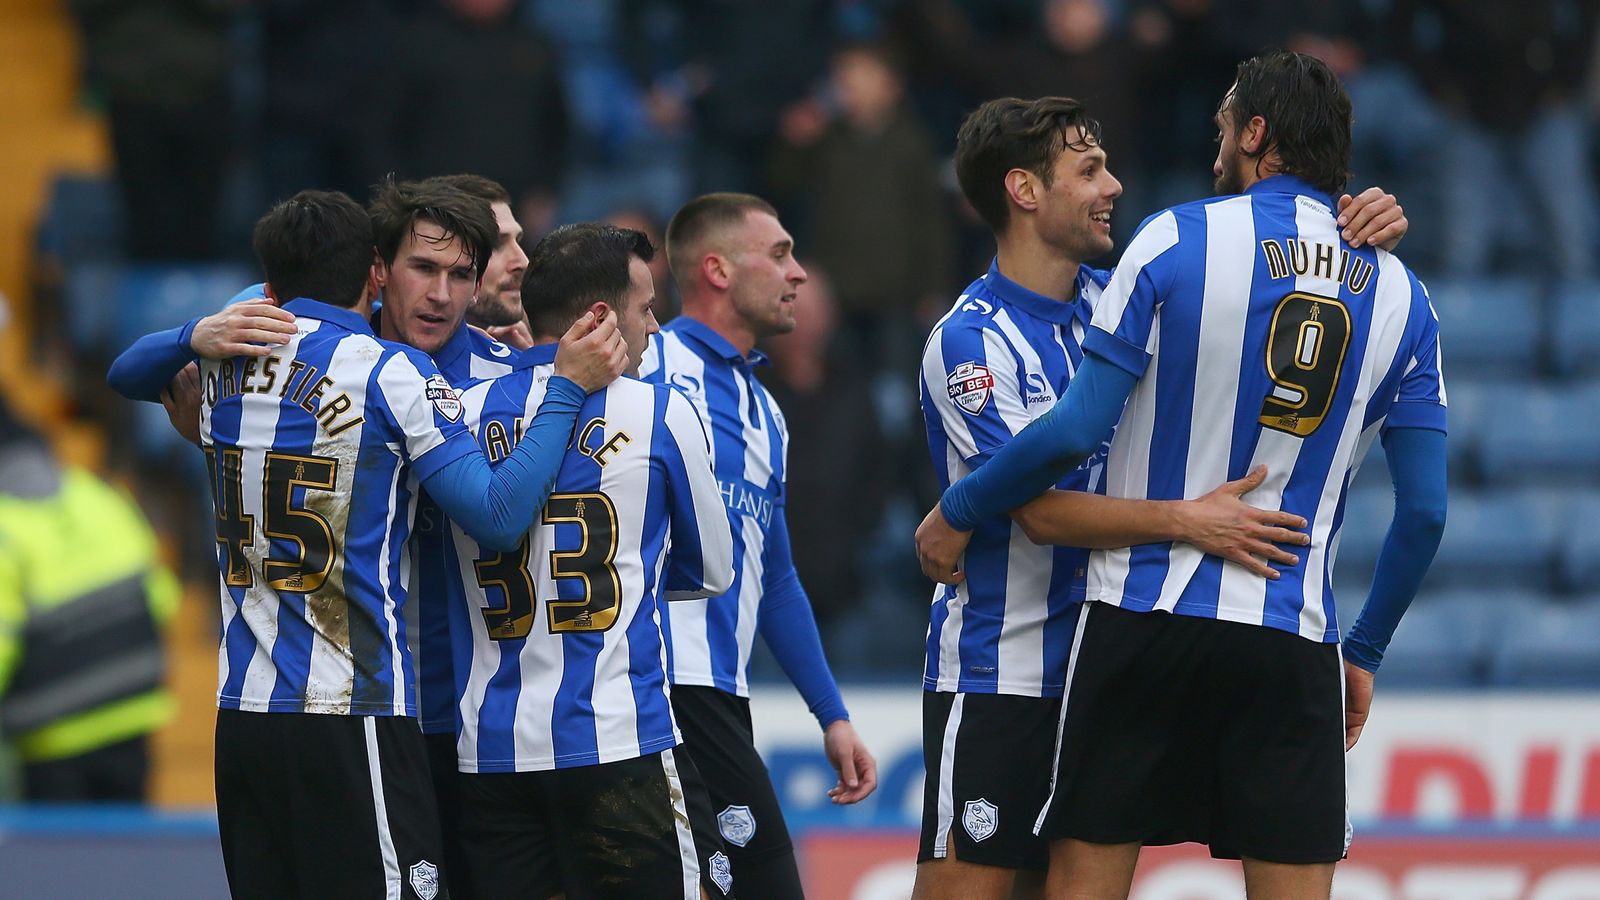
(998, 360)
(559, 655)
(710, 642)
(1258, 336)
(316, 452)
(469, 355)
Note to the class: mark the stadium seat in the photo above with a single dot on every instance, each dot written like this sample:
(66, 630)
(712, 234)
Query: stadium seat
(1488, 324)
(1367, 513)
(1575, 327)
(1472, 403)
(1543, 432)
(109, 305)
(1549, 645)
(1579, 567)
(1504, 537)
(1447, 639)
(82, 220)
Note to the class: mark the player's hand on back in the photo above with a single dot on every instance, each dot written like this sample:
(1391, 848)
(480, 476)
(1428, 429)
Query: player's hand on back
(1222, 524)
(1372, 218)
(1357, 702)
(181, 399)
(858, 771)
(516, 335)
(939, 548)
(592, 354)
(252, 328)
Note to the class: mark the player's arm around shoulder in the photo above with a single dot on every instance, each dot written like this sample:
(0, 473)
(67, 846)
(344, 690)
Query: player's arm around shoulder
(701, 534)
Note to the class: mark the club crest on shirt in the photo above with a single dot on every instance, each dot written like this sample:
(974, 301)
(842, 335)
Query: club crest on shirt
(970, 385)
(425, 880)
(444, 398)
(737, 824)
(980, 818)
(722, 871)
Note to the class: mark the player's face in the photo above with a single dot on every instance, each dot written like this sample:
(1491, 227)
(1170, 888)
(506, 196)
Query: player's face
(428, 289)
(1075, 208)
(1229, 167)
(765, 275)
(636, 318)
(500, 296)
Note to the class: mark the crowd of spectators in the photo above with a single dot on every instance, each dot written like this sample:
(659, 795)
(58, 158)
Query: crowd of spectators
(844, 113)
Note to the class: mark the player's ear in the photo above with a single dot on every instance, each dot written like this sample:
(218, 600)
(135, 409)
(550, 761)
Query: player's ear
(271, 294)
(600, 309)
(718, 273)
(1253, 136)
(379, 271)
(1023, 188)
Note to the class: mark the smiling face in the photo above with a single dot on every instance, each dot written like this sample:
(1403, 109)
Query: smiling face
(764, 275)
(1074, 209)
(499, 299)
(427, 290)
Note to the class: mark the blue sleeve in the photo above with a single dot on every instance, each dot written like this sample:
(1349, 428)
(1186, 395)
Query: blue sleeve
(144, 370)
(790, 629)
(1054, 444)
(497, 506)
(1417, 463)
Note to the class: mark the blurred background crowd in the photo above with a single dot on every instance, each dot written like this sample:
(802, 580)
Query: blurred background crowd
(151, 133)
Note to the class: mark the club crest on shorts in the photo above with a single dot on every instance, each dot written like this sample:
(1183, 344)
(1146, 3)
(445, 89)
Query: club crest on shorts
(737, 824)
(722, 871)
(980, 818)
(443, 397)
(969, 386)
(425, 880)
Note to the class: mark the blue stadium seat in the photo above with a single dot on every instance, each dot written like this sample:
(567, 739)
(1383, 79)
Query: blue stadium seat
(1543, 432)
(1488, 324)
(1507, 537)
(1367, 513)
(1579, 568)
(1447, 639)
(1472, 404)
(1575, 327)
(109, 305)
(1551, 645)
(82, 220)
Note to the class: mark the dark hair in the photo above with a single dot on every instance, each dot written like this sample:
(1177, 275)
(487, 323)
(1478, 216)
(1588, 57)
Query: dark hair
(1307, 113)
(486, 189)
(702, 216)
(397, 207)
(577, 265)
(316, 244)
(1008, 133)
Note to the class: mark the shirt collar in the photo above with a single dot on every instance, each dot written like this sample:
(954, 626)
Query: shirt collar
(1291, 184)
(1035, 304)
(701, 333)
(348, 319)
(459, 343)
(537, 355)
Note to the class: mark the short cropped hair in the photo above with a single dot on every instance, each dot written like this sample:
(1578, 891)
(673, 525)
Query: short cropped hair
(701, 217)
(486, 189)
(1307, 111)
(316, 244)
(1007, 133)
(575, 266)
(397, 207)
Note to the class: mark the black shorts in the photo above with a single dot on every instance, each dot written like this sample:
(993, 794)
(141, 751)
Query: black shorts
(627, 829)
(988, 760)
(326, 806)
(718, 736)
(446, 778)
(1177, 728)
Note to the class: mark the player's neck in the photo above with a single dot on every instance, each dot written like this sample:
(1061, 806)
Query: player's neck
(724, 320)
(1028, 262)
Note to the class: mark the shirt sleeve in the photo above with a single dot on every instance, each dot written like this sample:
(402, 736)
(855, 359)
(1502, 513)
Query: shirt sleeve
(145, 369)
(969, 384)
(1123, 329)
(1420, 400)
(700, 562)
(424, 411)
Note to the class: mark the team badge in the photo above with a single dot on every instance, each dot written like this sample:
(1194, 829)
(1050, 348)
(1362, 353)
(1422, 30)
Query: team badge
(980, 818)
(737, 824)
(425, 880)
(969, 386)
(443, 397)
(722, 871)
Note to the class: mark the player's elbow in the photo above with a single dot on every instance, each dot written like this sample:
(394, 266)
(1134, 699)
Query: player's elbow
(1422, 522)
(1033, 524)
(500, 539)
